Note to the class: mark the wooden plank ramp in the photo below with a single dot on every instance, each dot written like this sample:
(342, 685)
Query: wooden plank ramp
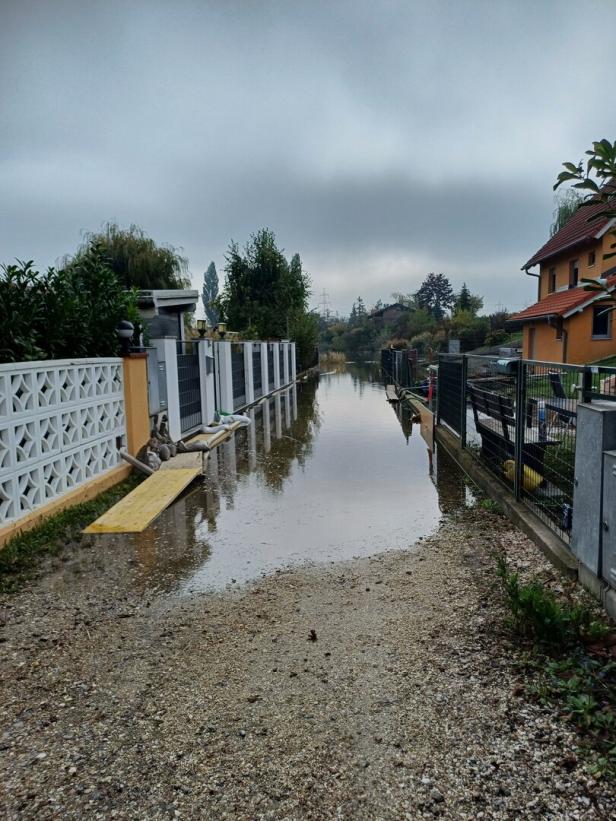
(141, 506)
(392, 396)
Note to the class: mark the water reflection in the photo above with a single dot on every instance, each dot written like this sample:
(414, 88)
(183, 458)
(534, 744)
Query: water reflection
(319, 475)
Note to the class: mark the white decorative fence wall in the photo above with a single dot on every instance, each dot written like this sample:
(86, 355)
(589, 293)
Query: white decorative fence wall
(61, 424)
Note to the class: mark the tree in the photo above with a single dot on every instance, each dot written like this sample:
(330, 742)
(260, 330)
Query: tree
(210, 293)
(435, 295)
(135, 258)
(566, 204)
(264, 294)
(597, 178)
(465, 301)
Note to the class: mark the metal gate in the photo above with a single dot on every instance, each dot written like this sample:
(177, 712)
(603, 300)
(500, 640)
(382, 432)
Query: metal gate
(270, 365)
(451, 391)
(257, 376)
(189, 386)
(238, 374)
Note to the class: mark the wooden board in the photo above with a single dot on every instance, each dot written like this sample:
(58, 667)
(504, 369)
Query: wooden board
(135, 512)
(392, 396)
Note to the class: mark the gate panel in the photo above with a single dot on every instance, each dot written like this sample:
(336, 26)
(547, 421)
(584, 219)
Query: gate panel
(257, 376)
(270, 365)
(238, 373)
(189, 387)
(451, 391)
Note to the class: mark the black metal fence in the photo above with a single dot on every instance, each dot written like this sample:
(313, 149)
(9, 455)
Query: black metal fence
(518, 418)
(238, 375)
(400, 366)
(257, 373)
(189, 386)
(270, 365)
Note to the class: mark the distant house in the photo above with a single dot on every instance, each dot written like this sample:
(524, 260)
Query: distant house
(568, 323)
(389, 315)
(162, 311)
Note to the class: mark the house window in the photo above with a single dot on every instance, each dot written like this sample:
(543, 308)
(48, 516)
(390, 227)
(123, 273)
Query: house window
(551, 280)
(591, 259)
(601, 322)
(574, 272)
(559, 329)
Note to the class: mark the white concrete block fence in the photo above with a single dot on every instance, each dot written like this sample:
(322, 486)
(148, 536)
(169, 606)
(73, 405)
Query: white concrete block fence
(61, 425)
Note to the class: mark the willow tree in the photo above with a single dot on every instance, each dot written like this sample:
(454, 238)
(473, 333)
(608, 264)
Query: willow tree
(136, 259)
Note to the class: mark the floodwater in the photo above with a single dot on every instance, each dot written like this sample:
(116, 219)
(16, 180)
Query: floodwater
(327, 471)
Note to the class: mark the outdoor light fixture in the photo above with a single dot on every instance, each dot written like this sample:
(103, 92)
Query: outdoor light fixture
(124, 332)
(201, 327)
(222, 329)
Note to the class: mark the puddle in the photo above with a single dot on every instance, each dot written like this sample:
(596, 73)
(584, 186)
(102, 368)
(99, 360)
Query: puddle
(327, 471)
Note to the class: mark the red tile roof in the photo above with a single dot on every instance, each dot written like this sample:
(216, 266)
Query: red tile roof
(559, 303)
(575, 231)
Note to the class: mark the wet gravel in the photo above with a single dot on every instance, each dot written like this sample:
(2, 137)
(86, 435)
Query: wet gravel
(375, 688)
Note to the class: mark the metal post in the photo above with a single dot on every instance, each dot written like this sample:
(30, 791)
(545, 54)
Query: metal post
(587, 385)
(520, 416)
(463, 408)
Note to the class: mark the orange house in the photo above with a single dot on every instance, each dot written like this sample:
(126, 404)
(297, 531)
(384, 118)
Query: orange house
(568, 323)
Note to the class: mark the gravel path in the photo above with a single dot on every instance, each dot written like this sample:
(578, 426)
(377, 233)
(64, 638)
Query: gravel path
(406, 705)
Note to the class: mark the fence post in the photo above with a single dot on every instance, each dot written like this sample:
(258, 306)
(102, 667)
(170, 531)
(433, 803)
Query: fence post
(167, 348)
(520, 418)
(206, 377)
(586, 385)
(277, 374)
(225, 377)
(464, 375)
(265, 376)
(438, 392)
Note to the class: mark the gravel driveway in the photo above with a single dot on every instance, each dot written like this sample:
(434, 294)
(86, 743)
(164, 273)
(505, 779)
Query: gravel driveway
(380, 688)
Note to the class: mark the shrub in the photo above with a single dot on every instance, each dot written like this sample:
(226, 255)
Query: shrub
(70, 312)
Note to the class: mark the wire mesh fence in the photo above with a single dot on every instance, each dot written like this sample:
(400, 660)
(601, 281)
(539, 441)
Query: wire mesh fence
(519, 419)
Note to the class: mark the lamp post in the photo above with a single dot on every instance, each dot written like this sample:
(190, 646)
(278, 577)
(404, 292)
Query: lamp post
(201, 327)
(222, 329)
(124, 332)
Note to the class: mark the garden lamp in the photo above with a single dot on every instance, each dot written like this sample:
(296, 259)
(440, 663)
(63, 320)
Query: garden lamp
(124, 332)
(201, 327)
(222, 329)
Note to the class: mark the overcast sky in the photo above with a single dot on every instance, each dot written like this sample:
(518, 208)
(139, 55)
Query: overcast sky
(381, 140)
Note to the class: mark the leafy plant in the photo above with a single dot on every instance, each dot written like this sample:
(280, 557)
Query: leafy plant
(62, 313)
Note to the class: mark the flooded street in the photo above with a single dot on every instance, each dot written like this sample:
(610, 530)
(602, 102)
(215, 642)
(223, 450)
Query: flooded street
(324, 473)
(327, 471)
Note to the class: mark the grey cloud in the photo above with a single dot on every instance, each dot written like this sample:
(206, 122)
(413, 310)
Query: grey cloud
(377, 139)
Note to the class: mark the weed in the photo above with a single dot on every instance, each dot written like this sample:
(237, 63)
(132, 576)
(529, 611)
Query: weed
(21, 554)
(569, 658)
(490, 505)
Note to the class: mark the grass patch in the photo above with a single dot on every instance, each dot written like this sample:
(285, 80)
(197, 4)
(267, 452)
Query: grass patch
(21, 555)
(573, 656)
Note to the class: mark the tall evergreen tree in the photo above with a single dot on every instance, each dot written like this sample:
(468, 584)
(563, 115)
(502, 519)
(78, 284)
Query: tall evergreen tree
(435, 295)
(264, 293)
(465, 301)
(210, 294)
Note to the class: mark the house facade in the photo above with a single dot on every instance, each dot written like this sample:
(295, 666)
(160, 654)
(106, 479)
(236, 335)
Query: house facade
(389, 315)
(569, 323)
